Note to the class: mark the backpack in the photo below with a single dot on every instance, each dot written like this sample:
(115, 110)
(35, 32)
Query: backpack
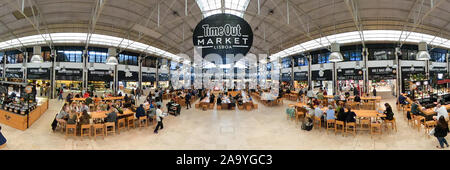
(290, 111)
(307, 124)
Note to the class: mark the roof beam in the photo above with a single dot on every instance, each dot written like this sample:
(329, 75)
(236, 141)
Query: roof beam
(354, 11)
(96, 11)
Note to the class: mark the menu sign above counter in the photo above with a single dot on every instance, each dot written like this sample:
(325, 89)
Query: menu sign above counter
(350, 74)
(301, 76)
(100, 75)
(148, 77)
(327, 76)
(382, 73)
(69, 74)
(38, 73)
(14, 73)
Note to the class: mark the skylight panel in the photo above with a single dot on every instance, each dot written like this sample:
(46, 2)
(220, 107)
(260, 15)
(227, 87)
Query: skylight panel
(211, 7)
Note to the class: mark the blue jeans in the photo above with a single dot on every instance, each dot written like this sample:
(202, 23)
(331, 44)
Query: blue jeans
(60, 97)
(442, 141)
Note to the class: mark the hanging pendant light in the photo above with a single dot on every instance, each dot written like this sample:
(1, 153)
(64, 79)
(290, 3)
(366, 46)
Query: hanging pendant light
(111, 60)
(335, 55)
(36, 59)
(423, 52)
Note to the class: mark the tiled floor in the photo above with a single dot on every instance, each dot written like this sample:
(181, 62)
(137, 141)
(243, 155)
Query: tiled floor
(265, 128)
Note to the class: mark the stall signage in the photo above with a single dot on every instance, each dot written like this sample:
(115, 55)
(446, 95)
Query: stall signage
(350, 74)
(439, 69)
(163, 77)
(123, 77)
(223, 34)
(382, 73)
(327, 76)
(100, 75)
(38, 73)
(14, 73)
(286, 77)
(416, 69)
(69, 74)
(148, 77)
(301, 76)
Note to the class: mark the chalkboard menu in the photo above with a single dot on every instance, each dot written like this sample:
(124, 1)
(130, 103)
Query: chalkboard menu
(382, 73)
(327, 76)
(100, 75)
(350, 74)
(163, 77)
(123, 77)
(38, 73)
(301, 76)
(14, 73)
(148, 77)
(286, 77)
(69, 74)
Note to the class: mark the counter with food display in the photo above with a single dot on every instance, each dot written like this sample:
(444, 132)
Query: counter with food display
(20, 116)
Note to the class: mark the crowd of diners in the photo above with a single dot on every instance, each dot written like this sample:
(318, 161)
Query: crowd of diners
(440, 115)
(78, 111)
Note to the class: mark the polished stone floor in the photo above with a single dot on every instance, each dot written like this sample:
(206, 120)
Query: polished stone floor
(265, 128)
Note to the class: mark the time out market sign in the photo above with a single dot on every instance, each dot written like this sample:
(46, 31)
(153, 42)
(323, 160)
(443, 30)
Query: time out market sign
(223, 34)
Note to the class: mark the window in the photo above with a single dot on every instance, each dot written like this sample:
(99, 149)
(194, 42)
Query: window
(69, 56)
(437, 56)
(211, 7)
(323, 58)
(97, 57)
(149, 62)
(352, 55)
(128, 59)
(286, 62)
(381, 54)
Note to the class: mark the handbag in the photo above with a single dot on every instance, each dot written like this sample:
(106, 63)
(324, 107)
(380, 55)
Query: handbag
(431, 133)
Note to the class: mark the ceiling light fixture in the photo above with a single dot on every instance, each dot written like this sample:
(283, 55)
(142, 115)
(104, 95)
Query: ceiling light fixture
(335, 55)
(423, 52)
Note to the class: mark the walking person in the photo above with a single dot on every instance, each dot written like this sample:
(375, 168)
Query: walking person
(159, 118)
(2, 139)
(60, 97)
(188, 100)
(441, 131)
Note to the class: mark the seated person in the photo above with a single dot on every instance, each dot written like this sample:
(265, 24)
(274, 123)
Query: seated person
(357, 98)
(72, 118)
(62, 116)
(388, 112)
(112, 115)
(140, 111)
(441, 110)
(85, 118)
(330, 113)
(341, 114)
(350, 116)
(219, 100)
(402, 99)
(318, 112)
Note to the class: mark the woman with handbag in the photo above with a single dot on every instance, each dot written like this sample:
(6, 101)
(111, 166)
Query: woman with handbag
(440, 132)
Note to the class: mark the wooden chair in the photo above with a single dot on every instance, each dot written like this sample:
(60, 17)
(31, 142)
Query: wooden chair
(364, 124)
(375, 129)
(197, 106)
(131, 121)
(86, 127)
(204, 107)
(219, 107)
(418, 121)
(62, 126)
(248, 107)
(317, 121)
(241, 107)
(255, 106)
(341, 125)
(72, 127)
(143, 122)
(111, 125)
(100, 127)
(429, 125)
(392, 123)
(121, 124)
(352, 126)
(300, 111)
(211, 106)
(331, 124)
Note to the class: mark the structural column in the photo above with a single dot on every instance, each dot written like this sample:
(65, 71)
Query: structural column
(4, 66)
(292, 71)
(309, 71)
(53, 75)
(365, 55)
(157, 73)
(140, 59)
(398, 77)
(335, 89)
(84, 82)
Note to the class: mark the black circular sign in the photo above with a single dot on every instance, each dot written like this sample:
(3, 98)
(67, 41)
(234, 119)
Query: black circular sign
(223, 34)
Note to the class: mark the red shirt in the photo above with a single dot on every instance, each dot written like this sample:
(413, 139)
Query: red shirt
(86, 95)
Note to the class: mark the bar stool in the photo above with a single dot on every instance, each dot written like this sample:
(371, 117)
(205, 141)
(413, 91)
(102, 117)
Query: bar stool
(131, 121)
(100, 127)
(351, 125)
(318, 122)
(375, 129)
(72, 127)
(85, 128)
(121, 124)
(111, 125)
(143, 121)
(331, 122)
(337, 124)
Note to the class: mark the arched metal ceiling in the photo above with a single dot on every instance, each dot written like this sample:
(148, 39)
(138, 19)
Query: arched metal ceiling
(308, 19)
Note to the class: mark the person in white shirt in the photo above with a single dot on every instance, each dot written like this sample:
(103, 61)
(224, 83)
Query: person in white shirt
(441, 111)
(318, 112)
(159, 118)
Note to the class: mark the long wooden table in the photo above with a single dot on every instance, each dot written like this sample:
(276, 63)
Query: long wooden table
(106, 98)
(103, 114)
(359, 113)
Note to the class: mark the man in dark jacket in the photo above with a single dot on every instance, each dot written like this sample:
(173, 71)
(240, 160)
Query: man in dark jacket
(140, 111)
(188, 100)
